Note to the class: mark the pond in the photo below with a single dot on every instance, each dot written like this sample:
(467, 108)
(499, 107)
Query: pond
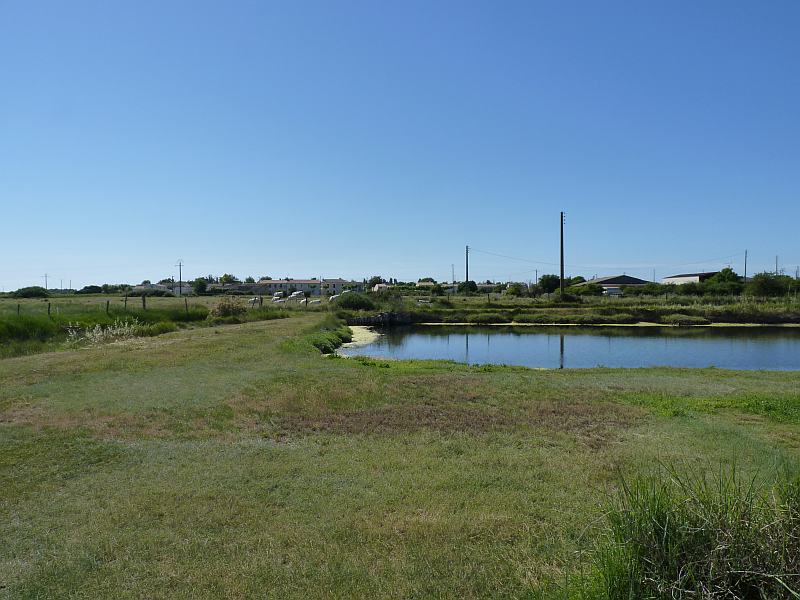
(769, 348)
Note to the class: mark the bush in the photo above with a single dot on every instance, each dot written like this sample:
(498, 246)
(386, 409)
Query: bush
(672, 536)
(679, 319)
(767, 284)
(35, 291)
(353, 301)
(90, 289)
(488, 318)
(227, 307)
(591, 289)
(27, 327)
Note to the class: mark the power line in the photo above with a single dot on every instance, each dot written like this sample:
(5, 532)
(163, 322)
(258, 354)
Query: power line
(643, 265)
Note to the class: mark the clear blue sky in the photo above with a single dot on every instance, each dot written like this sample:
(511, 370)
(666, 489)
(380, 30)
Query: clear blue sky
(359, 138)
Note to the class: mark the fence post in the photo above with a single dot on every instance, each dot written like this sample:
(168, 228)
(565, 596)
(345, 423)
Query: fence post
(144, 302)
(107, 301)
(186, 304)
(48, 308)
(126, 302)
(17, 308)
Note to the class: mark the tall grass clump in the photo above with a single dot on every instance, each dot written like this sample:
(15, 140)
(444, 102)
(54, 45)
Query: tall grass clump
(326, 337)
(27, 327)
(698, 536)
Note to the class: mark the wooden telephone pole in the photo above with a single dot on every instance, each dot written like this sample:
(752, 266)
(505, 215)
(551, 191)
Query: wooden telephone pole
(562, 254)
(466, 272)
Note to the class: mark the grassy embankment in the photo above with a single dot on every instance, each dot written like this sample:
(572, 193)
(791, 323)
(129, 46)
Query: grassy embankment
(36, 325)
(237, 461)
(595, 311)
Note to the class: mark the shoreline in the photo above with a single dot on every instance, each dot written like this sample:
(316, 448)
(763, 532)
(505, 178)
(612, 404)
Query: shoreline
(640, 324)
(363, 335)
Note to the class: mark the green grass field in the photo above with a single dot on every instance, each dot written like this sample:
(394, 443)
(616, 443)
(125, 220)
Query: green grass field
(237, 461)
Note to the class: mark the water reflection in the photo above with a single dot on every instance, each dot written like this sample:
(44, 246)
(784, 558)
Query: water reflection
(580, 347)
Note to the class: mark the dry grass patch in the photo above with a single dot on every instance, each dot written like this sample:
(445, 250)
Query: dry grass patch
(594, 424)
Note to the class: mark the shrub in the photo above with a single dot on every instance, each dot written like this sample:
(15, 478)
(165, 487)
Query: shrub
(227, 307)
(90, 289)
(488, 318)
(679, 319)
(27, 327)
(35, 291)
(353, 301)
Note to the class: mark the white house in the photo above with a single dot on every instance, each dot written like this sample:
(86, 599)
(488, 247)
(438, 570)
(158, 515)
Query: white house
(688, 278)
(314, 287)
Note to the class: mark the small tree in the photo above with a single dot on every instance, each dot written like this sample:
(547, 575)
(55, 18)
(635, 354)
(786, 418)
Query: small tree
(767, 284)
(227, 278)
(199, 286)
(35, 291)
(549, 283)
(249, 279)
(375, 280)
(516, 289)
(467, 287)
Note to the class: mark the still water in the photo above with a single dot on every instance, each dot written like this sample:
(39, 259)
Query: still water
(586, 347)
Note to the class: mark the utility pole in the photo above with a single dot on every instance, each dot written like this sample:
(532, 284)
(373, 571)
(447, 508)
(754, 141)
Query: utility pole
(776, 265)
(745, 266)
(562, 254)
(537, 276)
(180, 276)
(466, 271)
(45, 280)
(654, 275)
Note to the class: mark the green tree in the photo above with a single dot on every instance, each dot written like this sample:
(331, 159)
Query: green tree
(249, 279)
(516, 289)
(767, 284)
(467, 287)
(726, 275)
(35, 291)
(549, 283)
(227, 279)
(375, 280)
(200, 286)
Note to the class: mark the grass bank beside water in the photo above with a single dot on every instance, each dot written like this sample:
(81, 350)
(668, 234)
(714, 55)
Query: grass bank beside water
(589, 311)
(238, 461)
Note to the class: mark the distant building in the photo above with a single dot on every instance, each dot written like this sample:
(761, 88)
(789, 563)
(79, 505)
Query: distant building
(426, 284)
(314, 287)
(488, 287)
(688, 278)
(182, 289)
(381, 287)
(614, 282)
(151, 287)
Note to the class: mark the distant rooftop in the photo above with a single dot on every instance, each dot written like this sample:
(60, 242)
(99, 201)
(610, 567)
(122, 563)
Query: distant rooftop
(614, 280)
(304, 281)
(701, 275)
